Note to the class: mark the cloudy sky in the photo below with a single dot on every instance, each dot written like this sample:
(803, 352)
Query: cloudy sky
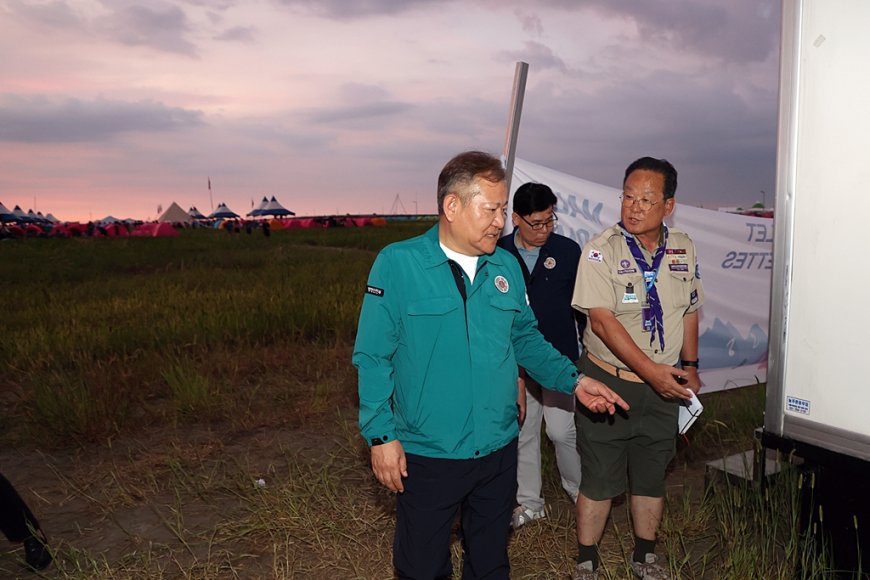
(344, 106)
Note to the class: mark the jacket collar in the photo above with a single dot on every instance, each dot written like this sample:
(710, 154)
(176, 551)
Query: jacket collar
(433, 255)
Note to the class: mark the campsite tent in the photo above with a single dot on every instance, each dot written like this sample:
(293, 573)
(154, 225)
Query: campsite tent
(273, 208)
(175, 215)
(222, 211)
(258, 211)
(195, 213)
(5, 214)
(19, 214)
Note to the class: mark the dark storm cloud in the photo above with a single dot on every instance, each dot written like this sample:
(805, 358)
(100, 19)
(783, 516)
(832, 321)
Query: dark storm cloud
(739, 31)
(237, 34)
(724, 148)
(536, 54)
(53, 14)
(344, 10)
(43, 120)
(159, 26)
(155, 24)
(531, 23)
(213, 4)
(367, 112)
(359, 106)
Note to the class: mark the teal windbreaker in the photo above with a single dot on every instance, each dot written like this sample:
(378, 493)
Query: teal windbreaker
(440, 374)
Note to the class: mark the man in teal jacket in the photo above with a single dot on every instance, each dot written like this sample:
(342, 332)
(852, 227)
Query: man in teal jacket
(443, 326)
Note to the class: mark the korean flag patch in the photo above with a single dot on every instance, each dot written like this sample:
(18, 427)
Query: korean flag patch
(595, 256)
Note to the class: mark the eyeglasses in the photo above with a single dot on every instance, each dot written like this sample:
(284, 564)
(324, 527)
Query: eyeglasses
(538, 226)
(642, 203)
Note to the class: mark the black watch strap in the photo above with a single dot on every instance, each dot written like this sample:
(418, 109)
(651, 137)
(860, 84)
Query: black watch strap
(689, 363)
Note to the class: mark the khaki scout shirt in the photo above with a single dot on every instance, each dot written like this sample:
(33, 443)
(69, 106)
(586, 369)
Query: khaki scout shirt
(605, 272)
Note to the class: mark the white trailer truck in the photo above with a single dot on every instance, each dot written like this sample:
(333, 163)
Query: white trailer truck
(818, 392)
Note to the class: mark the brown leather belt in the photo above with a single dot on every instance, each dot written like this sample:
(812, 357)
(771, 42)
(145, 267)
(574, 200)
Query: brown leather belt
(615, 371)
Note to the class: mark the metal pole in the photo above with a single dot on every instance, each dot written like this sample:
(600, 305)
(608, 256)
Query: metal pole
(514, 114)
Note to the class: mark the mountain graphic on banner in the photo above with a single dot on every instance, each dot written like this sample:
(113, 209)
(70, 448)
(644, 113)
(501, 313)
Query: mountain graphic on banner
(722, 346)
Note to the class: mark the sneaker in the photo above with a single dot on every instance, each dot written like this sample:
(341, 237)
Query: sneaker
(522, 516)
(650, 569)
(584, 571)
(36, 553)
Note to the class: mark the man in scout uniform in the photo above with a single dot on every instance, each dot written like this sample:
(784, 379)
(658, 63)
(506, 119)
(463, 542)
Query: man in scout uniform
(639, 284)
(549, 264)
(443, 326)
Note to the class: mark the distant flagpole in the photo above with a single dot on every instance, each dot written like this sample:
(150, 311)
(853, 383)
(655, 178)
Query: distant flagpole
(210, 200)
(514, 114)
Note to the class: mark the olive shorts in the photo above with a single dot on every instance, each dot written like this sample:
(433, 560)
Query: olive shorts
(633, 447)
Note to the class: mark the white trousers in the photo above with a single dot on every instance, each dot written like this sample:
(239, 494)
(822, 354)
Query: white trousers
(557, 411)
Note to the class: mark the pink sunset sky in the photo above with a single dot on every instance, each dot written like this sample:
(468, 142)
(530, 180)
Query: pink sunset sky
(116, 107)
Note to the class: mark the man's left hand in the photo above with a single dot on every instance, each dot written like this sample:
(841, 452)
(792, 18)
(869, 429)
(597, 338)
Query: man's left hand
(521, 400)
(597, 397)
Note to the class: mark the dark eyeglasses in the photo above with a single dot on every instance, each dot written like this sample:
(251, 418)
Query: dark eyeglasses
(538, 226)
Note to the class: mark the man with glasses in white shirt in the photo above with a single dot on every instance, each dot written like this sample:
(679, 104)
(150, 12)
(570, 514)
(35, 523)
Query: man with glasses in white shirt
(549, 264)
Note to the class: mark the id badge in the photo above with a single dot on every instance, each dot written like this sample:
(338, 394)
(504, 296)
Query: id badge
(648, 318)
(629, 297)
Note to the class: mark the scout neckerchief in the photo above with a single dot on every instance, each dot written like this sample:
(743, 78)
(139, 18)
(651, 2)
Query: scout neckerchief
(653, 317)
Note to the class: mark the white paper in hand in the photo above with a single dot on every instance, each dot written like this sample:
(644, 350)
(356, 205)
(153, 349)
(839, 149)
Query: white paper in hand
(689, 411)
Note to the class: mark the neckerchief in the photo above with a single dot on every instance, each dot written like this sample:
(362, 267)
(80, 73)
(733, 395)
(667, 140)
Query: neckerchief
(650, 273)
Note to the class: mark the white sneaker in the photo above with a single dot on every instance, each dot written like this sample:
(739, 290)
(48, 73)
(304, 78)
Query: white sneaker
(523, 515)
(584, 571)
(650, 569)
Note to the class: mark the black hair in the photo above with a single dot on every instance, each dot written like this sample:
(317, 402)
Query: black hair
(660, 166)
(459, 175)
(533, 197)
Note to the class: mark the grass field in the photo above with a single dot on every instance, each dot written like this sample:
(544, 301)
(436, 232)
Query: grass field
(185, 408)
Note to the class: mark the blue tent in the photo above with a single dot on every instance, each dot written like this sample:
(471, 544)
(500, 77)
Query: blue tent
(274, 208)
(222, 211)
(258, 211)
(5, 214)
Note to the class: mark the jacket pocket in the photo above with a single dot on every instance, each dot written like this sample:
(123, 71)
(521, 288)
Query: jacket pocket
(502, 313)
(432, 306)
(680, 289)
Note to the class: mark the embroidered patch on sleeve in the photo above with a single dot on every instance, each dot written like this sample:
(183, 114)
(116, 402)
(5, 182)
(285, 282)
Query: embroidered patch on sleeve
(374, 291)
(693, 297)
(595, 256)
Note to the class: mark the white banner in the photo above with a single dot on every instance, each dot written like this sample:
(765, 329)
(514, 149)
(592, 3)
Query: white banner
(736, 258)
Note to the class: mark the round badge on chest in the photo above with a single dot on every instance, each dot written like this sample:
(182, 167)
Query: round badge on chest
(550, 263)
(502, 284)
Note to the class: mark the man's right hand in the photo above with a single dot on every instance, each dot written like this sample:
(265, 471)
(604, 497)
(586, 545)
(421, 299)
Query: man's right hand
(389, 465)
(663, 378)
